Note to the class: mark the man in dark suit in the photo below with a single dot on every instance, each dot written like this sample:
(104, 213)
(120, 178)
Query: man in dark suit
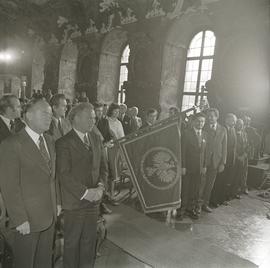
(104, 128)
(82, 170)
(254, 139)
(222, 189)
(150, 119)
(216, 155)
(29, 188)
(193, 165)
(239, 184)
(10, 123)
(10, 111)
(59, 125)
(102, 123)
(124, 119)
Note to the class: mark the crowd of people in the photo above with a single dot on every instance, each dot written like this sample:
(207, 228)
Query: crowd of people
(55, 160)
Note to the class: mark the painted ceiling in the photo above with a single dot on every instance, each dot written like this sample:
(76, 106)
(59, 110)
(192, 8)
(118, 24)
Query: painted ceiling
(64, 19)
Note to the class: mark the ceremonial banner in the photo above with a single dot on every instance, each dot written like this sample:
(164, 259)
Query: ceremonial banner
(154, 160)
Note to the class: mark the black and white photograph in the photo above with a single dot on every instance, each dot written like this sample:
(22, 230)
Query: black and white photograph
(134, 134)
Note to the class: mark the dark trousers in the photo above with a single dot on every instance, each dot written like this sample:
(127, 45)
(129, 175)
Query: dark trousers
(191, 183)
(33, 250)
(243, 183)
(223, 185)
(240, 176)
(207, 185)
(80, 233)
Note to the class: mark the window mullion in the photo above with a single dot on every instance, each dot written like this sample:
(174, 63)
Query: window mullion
(199, 70)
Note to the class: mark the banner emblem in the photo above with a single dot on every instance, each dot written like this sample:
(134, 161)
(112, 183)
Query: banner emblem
(153, 157)
(159, 168)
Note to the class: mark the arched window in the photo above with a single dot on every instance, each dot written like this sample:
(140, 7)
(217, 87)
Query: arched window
(123, 75)
(198, 68)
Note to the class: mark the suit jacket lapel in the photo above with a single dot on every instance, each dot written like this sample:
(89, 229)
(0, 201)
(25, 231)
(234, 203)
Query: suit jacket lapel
(4, 127)
(218, 130)
(195, 137)
(32, 152)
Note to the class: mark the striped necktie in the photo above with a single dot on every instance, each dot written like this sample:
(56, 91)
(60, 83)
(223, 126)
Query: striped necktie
(44, 152)
(86, 141)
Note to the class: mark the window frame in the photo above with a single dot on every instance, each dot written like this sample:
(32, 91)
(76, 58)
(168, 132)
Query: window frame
(198, 93)
(121, 91)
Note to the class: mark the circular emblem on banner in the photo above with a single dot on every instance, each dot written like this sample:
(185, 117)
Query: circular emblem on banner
(159, 168)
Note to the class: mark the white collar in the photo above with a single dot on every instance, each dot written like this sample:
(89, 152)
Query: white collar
(80, 134)
(215, 126)
(113, 119)
(6, 121)
(59, 119)
(33, 135)
(197, 131)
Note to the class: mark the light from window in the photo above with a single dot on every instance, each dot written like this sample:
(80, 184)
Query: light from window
(123, 75)
(199, 67)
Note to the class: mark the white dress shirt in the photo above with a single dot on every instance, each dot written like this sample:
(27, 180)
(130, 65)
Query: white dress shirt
(57, 120)
(81, 135)
(198, 132)
(213, 126)
(35, 137)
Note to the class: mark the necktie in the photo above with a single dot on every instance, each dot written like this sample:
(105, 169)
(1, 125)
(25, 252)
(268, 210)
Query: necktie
(86, 141)
(44, 152)
(60, 127)
(199, 137)
(213, 130)
(12, 126)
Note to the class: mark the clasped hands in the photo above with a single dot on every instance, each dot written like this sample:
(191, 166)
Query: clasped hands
(24, 228)
(94, 194)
